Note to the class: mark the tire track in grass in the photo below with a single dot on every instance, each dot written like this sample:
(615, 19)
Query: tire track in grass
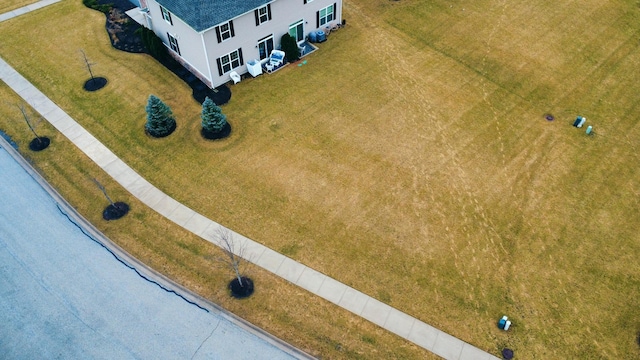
(404, 79)
(486, 93)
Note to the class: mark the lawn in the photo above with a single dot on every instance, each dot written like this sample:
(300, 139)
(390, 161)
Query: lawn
(409, 158)
(9, 5)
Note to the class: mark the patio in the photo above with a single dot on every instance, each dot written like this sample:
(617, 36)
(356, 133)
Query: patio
(277, 61)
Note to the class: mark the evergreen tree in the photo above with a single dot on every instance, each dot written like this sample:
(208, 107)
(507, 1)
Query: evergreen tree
(160, 120)
(213, 120)
(290, 47)
(153, 43)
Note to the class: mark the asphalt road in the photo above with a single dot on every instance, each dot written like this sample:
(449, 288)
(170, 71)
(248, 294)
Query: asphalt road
(63, 295)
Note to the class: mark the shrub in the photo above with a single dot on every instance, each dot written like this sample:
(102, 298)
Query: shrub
(93, 4)
(290, 47)
(152, 43)
(160, 120)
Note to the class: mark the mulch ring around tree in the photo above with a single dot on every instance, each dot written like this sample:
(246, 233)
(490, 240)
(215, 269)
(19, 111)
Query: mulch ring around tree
(507, 354)
(226, 130)
(95, 84)
(40, 143)
(115, 211)
(241, 292)
(158, 135)
(122, 33)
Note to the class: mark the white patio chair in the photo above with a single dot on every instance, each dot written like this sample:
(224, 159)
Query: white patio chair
(235, 77)
(276, 58)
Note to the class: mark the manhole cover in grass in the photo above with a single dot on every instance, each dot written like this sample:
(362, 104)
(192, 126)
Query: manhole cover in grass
(549, 117)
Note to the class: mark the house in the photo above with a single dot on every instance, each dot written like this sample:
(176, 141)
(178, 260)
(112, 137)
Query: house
(213, 38)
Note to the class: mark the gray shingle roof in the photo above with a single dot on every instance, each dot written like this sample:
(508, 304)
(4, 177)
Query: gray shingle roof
(203, 14)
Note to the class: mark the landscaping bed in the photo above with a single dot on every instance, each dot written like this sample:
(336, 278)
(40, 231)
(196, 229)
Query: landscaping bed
(410, 159)
(124, 35)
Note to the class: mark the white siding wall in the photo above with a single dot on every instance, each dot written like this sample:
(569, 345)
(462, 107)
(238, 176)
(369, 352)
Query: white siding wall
(189, 41)
(247, 34)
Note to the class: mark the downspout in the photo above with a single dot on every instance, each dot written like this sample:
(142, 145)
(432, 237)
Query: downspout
(206, 57)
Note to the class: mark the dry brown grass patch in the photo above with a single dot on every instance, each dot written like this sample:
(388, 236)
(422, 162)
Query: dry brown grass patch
(408, 159)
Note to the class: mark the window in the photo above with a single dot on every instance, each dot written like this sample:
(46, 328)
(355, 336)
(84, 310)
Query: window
(326, 15)
(173, 43)
(263, 14)
(265, 46)
(225, 31)
(229, 62)
(166, 15)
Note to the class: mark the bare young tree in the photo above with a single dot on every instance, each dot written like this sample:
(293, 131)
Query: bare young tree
(31, 126)
(115, 210)
(233, 257)
(86, 61)
(39, 143)
(104, 191)
(232, 250)
(94, 83)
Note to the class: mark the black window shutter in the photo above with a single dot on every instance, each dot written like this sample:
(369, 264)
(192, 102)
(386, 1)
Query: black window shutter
(317, 19)
(255, 12)
(163, 11)
(231, 28)
(269, 11)
(219, 66)
(240, 56)
(305, 1)
(335, 11)
(218, 34)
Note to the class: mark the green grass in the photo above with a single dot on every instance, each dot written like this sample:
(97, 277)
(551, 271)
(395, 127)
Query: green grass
(408, 158)
(9, 5)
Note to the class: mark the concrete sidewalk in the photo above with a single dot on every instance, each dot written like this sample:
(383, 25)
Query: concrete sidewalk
(73, 294)
(395, 321)
(25, 9)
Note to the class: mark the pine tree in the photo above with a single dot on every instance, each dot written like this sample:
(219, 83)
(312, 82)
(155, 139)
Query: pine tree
(160, 120)
(213, 120)
(290, 47)
(153, 43)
